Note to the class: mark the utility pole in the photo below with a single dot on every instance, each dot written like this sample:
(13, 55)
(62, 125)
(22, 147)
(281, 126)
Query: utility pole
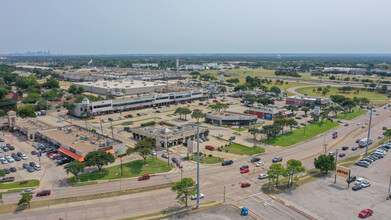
(120, 177)
(168, 153)
(389, 189)
(181, 173)
(198, 167)
(336, 160)
(111, 126)
(224, 193)
(369, 129)
(101, 127)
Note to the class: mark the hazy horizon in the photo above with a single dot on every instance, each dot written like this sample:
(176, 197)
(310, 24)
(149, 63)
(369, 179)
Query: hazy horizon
(119, 27)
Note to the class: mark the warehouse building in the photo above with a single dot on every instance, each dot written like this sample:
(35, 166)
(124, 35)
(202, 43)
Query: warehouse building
(230, 118)
(307, 100)
(121, 87)
(170, 136)
(88, 109)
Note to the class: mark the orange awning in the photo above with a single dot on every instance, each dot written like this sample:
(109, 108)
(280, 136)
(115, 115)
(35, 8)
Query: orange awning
(110, 151)
(71, 154)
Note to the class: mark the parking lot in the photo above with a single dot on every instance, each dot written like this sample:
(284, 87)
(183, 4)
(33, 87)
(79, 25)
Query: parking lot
(325, 200)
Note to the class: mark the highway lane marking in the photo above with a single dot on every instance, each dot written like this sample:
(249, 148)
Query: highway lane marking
(271, 208)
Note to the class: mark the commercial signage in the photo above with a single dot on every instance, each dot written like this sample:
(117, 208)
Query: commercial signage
(343, 171)
(317, 110)
(190, 146)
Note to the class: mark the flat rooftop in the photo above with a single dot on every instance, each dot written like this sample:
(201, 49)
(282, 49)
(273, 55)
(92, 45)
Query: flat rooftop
(172, 130)
(42, 122)
(77, 138)
(122, 84)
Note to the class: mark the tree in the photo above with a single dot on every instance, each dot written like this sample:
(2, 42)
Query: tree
(27, 111)
(250, 98)
(319, 89)
(265, 101)
(277, 169)
(233, 80)
(338, 98)
(254, 131)
(3, 93)
(223, 89)
(144, 148)
(293, 167)
(179, 111)
(198, 115)
(324, 163)
(186, 111)
(41, 104)
(292, 108)
(325, 91)
(314, 116)
(184, 188)
(26, 199)
(72, 89)
(98, 158)
(276, 90)
(305, 110)
(270, 130)
(153, 143)
(335, 109)
(387, 133)
(51, 83)
(2, 172)
(75, 168)
(364, 101)
(80, 90)
(348, 103)
(291, 122)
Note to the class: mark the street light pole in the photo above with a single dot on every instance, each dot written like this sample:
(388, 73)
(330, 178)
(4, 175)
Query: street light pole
(120, 177)
(198, 167)
(336, 160)
(369, 129)
(101, 127)
(112, 133)
(168, 153)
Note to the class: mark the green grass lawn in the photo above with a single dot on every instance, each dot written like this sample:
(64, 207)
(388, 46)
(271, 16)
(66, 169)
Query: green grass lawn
(298, 135)
(350, 115)
(207, 159)
(237, 129)
(131, 169)
(17, 184)
(85, 183)
(334, 91)
(243, 150)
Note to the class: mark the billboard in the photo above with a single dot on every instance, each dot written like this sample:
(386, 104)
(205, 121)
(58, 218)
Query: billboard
(190, 146)
(317, 110)
(343, 171)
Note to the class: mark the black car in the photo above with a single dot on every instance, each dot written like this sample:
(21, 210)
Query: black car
(11, 148)
(354, 148)
(351, 179)
(303, 124)
(345, 147)
(174, 160)
(139, 114)
(244, 167)
(34, 152)
(32, 164)
(17, 158)
(13, 155)
(255, 159)
(30, 169)
(19, 154)
(356, 187)
(7, 171)
(130, 116)
(13, 169)
(227, 162)
(341, 155)
(310, 121)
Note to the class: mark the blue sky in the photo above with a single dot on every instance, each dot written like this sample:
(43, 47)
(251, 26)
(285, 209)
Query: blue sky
(195, 26)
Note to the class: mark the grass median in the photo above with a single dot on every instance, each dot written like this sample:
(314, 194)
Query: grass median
(130, 169)
(298, 135)
(235, 148)
(350, 115)
(19, 184)
(206, 159)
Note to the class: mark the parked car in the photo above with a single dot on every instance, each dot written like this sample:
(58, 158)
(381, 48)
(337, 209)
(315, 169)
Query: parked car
(165, 155)
(13, 169)
(277, 159)
(354, 148)
(346, 124)
(175, 160)
(30, 169)
(194, 197)
(246, 170)
(209, 147)
(31, 191)
(245, 184)
(37, 167)
(32, 164)
(351, 179)
(331, 153)
(7, 179)
(11, 148)
(356, 187)
(365, 213)
(362, 164)
(358, 181)
(144, 177)
(365, 184)
(227, 162)
(244, 167)
(25, 165)
(231, 138)
(255, 159)
(345, 147)
(44, 193)
(179, 165)
(34, 152)
(341, 155)
(262, 176)
(7, 171)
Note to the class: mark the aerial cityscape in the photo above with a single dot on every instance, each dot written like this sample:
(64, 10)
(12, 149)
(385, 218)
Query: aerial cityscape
(195, 110)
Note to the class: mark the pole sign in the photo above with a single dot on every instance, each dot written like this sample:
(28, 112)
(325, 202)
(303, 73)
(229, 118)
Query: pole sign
(343, 171)
(190, 146)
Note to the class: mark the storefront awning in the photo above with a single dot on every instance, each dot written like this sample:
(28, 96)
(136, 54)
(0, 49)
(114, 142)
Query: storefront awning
(111, 151)
(71, 154)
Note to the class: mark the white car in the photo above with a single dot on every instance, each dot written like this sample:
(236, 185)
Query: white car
(365, 184)
(359, 181)
(378, 113)
(262, 176)
(24, 157)
(380, 136)
(363, 126)
(220, 135)
(27, 191)
(37, 167)
(259, 164)
(4, 161)
(358, 123)
(2, 157)
(194, 197)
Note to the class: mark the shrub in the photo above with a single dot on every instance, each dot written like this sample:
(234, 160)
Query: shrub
(226, 151)
(210, 155)
(219, 149)
(150, 123)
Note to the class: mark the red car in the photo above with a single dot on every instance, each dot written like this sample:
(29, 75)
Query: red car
(179, 165)
(245, 170)
(244, 185)
(44, 193)
(209, 147)
(144, 177)
(56, 156)
(51, 154)
(364, 213)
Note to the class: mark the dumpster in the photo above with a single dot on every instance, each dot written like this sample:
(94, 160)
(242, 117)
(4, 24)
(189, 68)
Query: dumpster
(244, 211)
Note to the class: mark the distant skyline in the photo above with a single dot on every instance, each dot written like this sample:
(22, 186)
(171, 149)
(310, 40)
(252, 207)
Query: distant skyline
(190, 27)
